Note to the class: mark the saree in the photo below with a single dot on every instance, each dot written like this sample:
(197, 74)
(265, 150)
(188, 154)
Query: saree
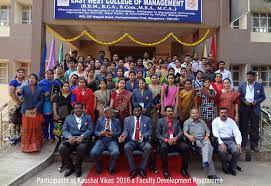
(122, 104)
(186, 103)
(31, 133)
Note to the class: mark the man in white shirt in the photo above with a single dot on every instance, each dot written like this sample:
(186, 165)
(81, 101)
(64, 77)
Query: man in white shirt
(229, 138)
(225, 73)
(196, 64)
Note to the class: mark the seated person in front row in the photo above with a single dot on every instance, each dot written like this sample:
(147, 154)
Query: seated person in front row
(107, 129)
(76, 130)
(196, 130)
(137, 133)
(169, 133)
(229, 139)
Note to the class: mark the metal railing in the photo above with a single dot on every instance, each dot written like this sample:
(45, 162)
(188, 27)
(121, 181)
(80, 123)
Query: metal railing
(265, 127)
(5, 127)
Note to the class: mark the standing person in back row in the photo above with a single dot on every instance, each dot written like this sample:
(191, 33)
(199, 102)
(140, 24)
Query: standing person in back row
(225, 73)
(252, 95)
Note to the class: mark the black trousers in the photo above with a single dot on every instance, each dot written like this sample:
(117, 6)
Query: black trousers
(180, 147)
(65, 150)
(249, 125)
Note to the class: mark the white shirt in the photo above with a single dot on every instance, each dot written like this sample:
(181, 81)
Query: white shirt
(109, 123)
(177, 70)
(226, 129)
(133, 137)
(78, 121)
(250, 92)
(196, 66)
(225, 74)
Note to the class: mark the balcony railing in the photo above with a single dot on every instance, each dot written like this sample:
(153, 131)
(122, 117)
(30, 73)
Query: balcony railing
(5, 127)
(265, 128)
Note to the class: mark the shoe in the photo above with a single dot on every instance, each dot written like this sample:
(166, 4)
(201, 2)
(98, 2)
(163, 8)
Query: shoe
(184, 173)
(233, 172)
(154, 170)
(226, 171)
(133, 174)
(239, 168)
(166, 174)
(61, 168)
(255, 149)
(68, 172)
(78, 173)
(143, 174)
(212, 177)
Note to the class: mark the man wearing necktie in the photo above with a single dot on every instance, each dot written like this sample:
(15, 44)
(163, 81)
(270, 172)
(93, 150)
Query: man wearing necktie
(137, 133)
(76, 130)
(170, 136)
(107, 129)
(252, 95)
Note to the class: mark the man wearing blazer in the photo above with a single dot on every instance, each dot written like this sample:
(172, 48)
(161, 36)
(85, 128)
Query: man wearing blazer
(137, 133)
(107, 129)
(170, 136)
(252, 95)
(76, 130)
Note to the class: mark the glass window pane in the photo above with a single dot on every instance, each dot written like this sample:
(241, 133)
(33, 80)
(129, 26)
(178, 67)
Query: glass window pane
(255, 14)
(254, 68)
(255, 29)
(262, 14)
(235, 76)
(255, 22)
(264, 76)
(263, 22)
(264, 68)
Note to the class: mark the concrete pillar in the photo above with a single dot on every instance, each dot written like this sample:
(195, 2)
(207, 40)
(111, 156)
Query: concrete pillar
(38, 35)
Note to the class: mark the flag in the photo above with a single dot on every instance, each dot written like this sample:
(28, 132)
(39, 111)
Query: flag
(43, 61)
(60, 54)
(213, 47)
(195, 38)
(52, 58)
(70, 52)
(204, 50)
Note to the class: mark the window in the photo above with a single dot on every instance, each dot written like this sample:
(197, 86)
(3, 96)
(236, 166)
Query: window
(3, 72)
(27, 15)
(4, 16)
(234, 69)
(235, 24)
(261, 22)
(263, 74)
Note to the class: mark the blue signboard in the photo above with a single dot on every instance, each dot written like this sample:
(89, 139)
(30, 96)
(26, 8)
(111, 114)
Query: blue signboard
(186, 11)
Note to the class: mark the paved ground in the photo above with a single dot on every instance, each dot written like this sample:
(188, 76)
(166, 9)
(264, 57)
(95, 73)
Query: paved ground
(255, 174)
(14, 163)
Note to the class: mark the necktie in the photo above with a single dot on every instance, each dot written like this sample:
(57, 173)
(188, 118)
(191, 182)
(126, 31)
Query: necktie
(107, 127)
(137, 130)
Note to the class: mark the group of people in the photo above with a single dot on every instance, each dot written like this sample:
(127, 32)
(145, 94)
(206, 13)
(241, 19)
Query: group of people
(152, 105)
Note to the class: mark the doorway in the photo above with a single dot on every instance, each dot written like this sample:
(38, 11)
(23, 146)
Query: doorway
(136, 52)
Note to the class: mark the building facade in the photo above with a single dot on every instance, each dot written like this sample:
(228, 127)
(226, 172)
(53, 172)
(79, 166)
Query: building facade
(244, 44)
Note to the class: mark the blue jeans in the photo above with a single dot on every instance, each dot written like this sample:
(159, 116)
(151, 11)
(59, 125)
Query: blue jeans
(48, 129)
(99, 147)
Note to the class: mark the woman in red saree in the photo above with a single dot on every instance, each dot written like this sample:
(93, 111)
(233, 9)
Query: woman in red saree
(230, 100)
(85, 96)
(120, 101)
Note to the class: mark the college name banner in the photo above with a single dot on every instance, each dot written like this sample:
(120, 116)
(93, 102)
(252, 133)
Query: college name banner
(186, 11)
